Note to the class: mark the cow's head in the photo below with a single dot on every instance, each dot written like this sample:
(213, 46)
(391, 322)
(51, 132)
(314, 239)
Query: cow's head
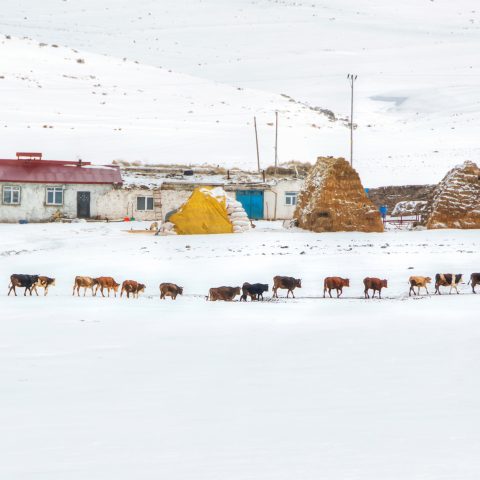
(141, 288)
(236, 291)
(458, 277)
(264, 288)
(180, 290)
(384, 283)
(346, 282)
(298, 282)
(428, 280)
(115, 286)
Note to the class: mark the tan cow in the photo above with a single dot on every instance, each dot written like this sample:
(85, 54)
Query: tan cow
(84, 282)
(132, 287)
(226, 294)
(170, 290)
(44, 282)
(420, 282)
(106, 282)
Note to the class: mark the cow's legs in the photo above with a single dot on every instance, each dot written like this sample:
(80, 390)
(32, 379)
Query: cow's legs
(366, 293)
(330, 292)
(12, 287)
(339, 292)
(274, 293)
(380, 293)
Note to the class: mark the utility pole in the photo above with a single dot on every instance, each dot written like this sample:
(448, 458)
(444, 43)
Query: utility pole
(256, 141)
(276, 141)
(351, 80)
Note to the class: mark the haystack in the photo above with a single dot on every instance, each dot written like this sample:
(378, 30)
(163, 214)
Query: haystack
(456, 199)
(208, 210)
(333, 200)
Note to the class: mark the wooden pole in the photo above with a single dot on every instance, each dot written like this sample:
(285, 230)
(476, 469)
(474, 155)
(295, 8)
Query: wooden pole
(351, 79)
(256, 141)
(276, 142)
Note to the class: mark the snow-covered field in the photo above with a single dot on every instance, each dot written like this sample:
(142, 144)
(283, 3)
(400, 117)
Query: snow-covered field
(417, 100)
(309, 388)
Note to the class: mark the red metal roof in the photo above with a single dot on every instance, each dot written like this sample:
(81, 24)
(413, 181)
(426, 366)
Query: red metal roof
(58, 171)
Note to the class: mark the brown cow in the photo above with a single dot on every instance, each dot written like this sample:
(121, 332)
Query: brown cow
(223, 293)
(106, 282)
(374, 284)
(286, 283)
(474, 280)
(84, 282)
(420, 282)
(132, 287)
(335, 283)
(44, 282)
(170, 290)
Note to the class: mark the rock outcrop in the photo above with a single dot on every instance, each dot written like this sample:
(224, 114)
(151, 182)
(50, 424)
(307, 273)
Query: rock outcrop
(456, 199)
(334, 200)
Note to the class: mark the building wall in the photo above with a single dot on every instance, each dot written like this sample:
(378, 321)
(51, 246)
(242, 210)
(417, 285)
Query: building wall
(276, 193)
(33, 202)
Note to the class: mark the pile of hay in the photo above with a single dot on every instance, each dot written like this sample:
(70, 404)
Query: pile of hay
(456, 199)
(334, 200)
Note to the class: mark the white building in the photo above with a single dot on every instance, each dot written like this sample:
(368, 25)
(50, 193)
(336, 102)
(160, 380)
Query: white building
(36, 190)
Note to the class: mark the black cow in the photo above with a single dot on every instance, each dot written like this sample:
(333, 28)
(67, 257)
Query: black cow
(253, 290)
(447, 280)
(28, 282)
(474, 280)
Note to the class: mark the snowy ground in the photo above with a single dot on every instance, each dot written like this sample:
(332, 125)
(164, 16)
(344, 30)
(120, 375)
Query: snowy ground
(417, 98)
(307, 388)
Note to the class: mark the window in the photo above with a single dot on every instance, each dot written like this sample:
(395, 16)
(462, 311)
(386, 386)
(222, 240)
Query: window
(144, 203)
(291, 198)
(11, 195)
(54, 195)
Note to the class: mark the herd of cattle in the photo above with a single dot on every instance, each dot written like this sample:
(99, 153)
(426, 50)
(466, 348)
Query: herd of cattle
(253, 290)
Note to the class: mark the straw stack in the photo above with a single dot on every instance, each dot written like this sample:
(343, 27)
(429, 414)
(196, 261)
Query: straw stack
(333, 200)
(456, 199)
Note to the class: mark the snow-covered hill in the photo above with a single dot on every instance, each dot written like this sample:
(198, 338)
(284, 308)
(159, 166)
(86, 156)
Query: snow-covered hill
(68, 104)
(417, 101)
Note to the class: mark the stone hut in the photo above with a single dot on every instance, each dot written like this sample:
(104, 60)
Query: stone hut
(456, 199)
(334, 200)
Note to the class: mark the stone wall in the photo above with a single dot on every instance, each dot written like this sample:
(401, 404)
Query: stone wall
(390, 196)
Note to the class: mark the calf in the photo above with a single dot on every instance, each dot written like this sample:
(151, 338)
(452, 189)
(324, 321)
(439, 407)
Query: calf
(474, 280)
(27, 282)
(132, 287)
(226, 294)
(44, 282)
(84, 282)
(170, 290)
(335, 283)
(419, 282)
(374, 284)
(285, 283)
(253, 290)
(106, 282)
(447, 280)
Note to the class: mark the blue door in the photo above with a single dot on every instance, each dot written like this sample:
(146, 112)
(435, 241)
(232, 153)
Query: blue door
(252, 202)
